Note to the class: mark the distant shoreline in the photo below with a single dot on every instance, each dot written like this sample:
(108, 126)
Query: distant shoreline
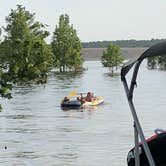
(92, 54)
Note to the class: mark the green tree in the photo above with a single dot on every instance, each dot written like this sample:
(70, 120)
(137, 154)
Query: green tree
(24, 50)
(0, 34)
(112, 57)
(152, 62)
(5, 85)
(66, 45)
(162, 62)
(157, 62)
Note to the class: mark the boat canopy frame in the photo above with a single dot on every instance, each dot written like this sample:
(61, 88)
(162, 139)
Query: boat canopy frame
(156, 50)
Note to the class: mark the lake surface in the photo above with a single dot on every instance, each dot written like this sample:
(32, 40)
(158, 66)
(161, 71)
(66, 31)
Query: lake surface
(35, 131)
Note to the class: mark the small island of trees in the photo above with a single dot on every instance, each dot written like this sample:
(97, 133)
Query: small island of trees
(112, 57)
(66, 46)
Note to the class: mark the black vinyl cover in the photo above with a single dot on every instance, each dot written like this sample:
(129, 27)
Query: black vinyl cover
(157, 146)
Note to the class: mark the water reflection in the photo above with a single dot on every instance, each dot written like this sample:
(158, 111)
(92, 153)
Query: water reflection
(21, 130)
(70, 75)
(26, 155)
(66, 130)
(19, 116)
(112, 76)
(109, 74)
(26, 88)
(66, 155)
(88, 108)
(36, 131)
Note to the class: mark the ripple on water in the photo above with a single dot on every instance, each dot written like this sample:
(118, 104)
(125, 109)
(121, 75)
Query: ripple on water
(37, 132)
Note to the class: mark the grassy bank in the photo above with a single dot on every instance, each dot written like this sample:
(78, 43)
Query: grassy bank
(90, 54)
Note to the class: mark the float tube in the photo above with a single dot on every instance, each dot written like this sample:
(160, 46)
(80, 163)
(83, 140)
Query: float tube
(157, 146)
(99, 100)
(75, 104)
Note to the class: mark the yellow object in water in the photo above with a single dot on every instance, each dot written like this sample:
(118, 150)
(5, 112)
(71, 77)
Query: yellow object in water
(73, 93)
(97, 101)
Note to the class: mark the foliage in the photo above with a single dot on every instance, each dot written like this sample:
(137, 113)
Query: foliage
(157, 62)
(24, 51)
(111, 57)
(152, 62)
(122, 43)
(162, 62)
(66, 45)
(0, 33)
(24, 55)
(5, 85)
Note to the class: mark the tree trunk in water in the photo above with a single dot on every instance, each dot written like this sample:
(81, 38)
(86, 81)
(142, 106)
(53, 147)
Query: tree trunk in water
(116, 66)
(112, 70)
(63, 68)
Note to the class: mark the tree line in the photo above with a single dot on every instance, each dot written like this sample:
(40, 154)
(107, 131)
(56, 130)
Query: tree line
(122, 43)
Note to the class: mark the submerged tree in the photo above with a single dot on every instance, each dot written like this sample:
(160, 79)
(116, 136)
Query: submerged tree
(157, 62)
(66, 45)
(5, 85)
(162, 62)
(24, 50)
(152, 62)
(0, 34)
(112, 57)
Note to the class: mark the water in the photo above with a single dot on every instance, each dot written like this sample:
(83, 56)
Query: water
(35, 131)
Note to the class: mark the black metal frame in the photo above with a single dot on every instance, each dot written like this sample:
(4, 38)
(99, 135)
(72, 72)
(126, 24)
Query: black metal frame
(156, 50)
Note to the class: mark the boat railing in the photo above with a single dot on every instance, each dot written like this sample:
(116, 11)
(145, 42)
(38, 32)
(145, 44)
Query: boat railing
(156, 50)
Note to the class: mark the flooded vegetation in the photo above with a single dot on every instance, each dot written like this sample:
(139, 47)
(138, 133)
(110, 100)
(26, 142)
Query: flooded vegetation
(34, 129)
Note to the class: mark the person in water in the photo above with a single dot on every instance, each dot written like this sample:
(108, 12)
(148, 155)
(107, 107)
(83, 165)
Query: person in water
(90, 97)
(66, 99)
(81, 99)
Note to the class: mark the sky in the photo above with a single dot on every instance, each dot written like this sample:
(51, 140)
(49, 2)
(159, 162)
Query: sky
(99, 20)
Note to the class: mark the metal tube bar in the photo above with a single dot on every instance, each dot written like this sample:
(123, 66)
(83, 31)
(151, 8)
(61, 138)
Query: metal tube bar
(137, 158)
(137, 124)
(134, 77)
